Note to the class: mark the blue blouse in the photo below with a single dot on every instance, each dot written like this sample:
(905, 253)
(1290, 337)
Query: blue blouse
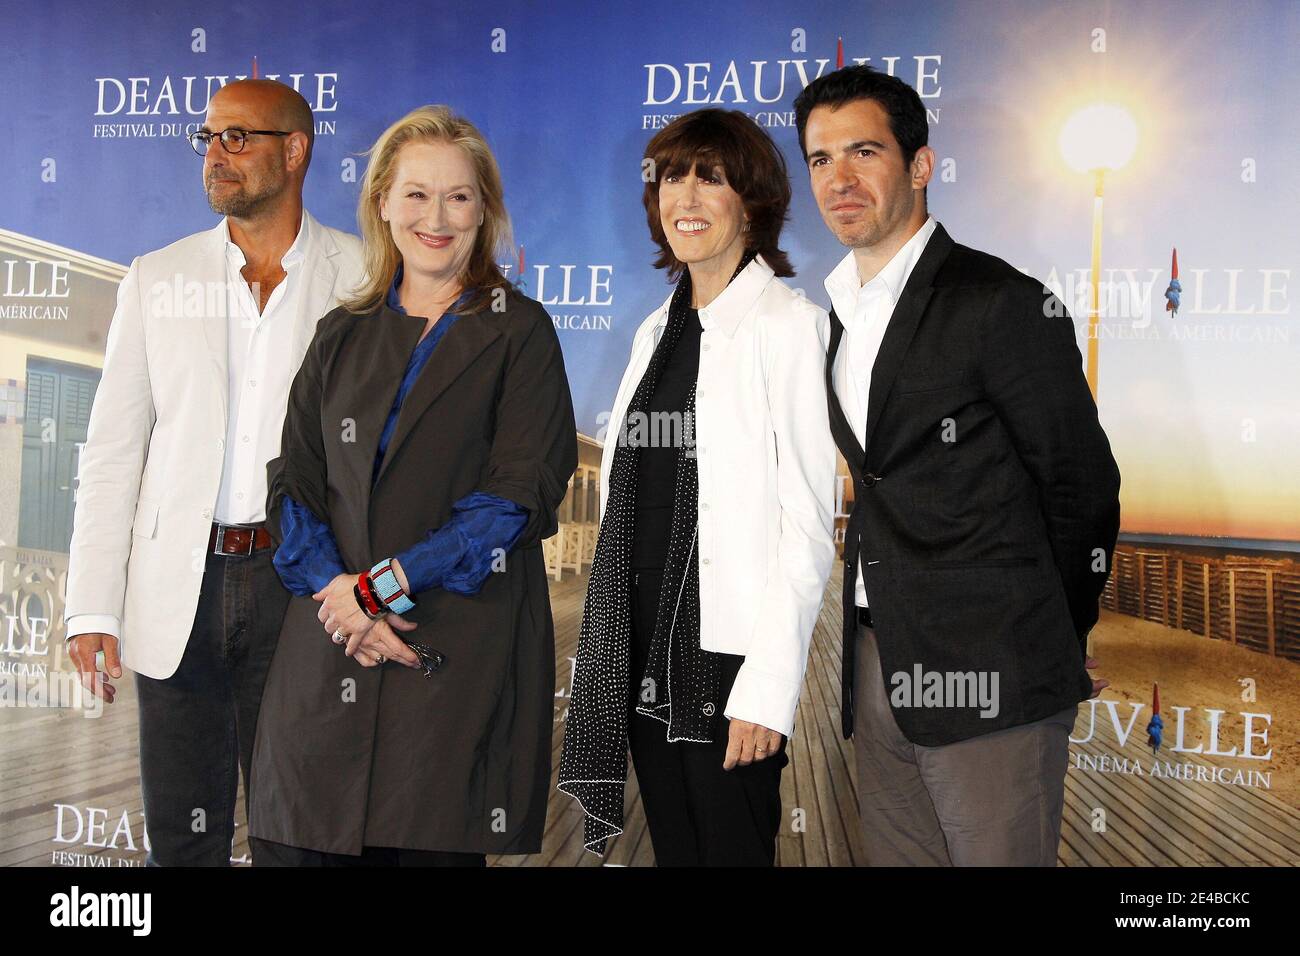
(457, 557)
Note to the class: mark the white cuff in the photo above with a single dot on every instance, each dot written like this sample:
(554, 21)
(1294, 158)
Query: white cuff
(763, 699)
(93, 624)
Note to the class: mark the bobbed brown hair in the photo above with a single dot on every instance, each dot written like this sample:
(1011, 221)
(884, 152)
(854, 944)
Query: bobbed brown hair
(750, 161)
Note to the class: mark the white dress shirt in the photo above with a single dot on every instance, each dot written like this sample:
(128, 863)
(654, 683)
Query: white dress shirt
(766, 462)
(864, 309)
(259, 380)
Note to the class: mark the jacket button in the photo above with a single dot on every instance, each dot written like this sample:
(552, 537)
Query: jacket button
(708, 710)
(869, 479)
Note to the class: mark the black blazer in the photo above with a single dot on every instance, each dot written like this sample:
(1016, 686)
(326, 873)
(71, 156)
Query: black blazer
(986, 500)
(347, 756)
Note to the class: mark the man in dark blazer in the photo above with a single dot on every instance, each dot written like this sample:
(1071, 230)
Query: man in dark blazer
(985, 502)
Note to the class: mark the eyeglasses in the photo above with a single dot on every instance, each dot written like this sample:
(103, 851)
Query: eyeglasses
(232, 140)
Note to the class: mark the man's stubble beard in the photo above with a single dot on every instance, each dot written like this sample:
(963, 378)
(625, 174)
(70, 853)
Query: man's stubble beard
(862, 236)
(244, 204)
(872, 232)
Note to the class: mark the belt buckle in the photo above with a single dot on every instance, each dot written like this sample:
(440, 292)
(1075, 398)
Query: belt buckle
(221, 543)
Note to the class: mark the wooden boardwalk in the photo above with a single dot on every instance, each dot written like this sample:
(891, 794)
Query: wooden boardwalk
(50, 757)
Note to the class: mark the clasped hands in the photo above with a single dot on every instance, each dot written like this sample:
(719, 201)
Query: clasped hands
(369, 642)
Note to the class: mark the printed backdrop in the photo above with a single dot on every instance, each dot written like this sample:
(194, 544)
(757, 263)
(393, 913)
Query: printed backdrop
(1200, 405)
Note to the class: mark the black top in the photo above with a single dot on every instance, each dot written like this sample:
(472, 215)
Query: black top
(662, 432)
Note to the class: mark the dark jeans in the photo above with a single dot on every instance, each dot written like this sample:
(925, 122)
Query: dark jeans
(266, 853)
(698, 814)
(197, 726)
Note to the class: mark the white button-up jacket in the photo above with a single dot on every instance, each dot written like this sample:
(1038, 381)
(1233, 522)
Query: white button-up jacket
(766, 462)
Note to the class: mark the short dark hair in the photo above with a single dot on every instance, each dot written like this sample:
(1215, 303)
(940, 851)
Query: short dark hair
(900, 102)
(752, 164)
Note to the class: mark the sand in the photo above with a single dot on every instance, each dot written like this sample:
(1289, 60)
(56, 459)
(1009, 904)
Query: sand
(1198, 672)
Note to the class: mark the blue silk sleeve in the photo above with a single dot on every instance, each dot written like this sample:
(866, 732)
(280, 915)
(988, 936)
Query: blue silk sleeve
(459, 556)
(308, 558)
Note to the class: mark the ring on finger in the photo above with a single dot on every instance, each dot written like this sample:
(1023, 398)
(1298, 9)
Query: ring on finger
(339, 637)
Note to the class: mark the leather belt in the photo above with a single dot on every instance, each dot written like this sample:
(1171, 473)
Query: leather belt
(228, 539)
(864, 617)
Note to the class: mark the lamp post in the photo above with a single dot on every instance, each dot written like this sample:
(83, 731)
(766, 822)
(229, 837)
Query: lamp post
(1097, 139)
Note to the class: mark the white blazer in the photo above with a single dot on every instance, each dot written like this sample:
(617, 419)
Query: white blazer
(151, 467)
(766, 462)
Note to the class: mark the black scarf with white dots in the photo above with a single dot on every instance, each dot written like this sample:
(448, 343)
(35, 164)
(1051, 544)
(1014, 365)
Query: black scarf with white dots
(680, 685)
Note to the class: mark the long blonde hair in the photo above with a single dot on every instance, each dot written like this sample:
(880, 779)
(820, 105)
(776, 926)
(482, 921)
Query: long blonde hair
(436, 124)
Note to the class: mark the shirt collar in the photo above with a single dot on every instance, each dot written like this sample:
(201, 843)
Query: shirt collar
(734, 302)
(394, 302)
(844, 286)
(292, 256)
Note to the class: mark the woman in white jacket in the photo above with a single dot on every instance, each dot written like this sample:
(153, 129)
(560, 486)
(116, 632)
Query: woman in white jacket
(717, 502)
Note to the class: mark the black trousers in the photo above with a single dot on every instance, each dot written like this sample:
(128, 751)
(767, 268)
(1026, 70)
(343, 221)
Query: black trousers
(197, 726)
(266, 853)
(698, 814)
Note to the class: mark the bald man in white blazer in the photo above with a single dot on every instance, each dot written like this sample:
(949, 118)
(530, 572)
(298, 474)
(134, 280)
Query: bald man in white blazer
(170, 569)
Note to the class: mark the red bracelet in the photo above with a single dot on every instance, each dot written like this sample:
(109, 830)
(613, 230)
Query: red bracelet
(369, 602)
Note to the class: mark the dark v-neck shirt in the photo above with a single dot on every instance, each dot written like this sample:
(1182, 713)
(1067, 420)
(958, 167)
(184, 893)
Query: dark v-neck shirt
(664, 430)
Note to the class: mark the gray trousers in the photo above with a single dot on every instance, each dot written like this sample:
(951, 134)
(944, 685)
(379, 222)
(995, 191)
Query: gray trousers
(992, 800)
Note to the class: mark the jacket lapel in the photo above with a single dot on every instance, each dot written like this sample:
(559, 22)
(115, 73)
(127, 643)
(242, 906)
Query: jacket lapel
(902, 327)
(211, 275)
(855, 457)
(853, 452)
(737, 299)
(460, 346)
(643, 346)
(318, 297)
(378, 351)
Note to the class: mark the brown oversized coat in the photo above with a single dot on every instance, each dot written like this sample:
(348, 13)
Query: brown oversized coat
(348, 756)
